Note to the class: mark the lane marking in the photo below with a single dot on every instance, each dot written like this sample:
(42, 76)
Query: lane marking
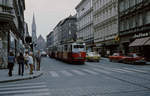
(66, 73)
(25, 84)
(135, 70)
(53, 74)
(78, 72)
(34, 94)
(23, 91)
(125, 70)
(89, 71)
(28, 87)
(102, 71)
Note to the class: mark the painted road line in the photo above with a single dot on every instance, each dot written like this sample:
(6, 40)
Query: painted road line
(26, 87)
(34, 94)
(66, 73)
(125, 70)
(78, 72)
(53, 74)
(102, 71)
(23, 91)
(90, 71)
(25, 84)
(135, 70)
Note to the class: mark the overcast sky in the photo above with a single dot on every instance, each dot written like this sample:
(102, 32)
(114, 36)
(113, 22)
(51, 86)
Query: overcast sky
(48, 13)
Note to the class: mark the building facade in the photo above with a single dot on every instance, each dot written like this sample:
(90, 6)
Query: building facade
(85, 23)
(105, 18)
(134, 26)
(68, 29)
(11, 28)
(50, 39)
(65, 30)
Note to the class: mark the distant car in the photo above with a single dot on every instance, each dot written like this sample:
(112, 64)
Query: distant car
(43, 54)
(93, 56)
(133, 58)
(117, 57)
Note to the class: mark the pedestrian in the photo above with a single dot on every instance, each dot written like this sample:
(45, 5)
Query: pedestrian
(30, 62)
(26, 60)
(38, 59)
(11, 61)
(21, 61)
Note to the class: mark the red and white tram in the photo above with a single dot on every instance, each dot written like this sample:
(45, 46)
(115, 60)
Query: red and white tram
(71, 52)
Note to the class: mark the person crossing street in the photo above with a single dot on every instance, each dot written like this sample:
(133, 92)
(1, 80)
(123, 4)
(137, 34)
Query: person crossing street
(21, 61)
(11, 61)
(30, 62)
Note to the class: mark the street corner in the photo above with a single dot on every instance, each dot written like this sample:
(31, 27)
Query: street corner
(16, 77)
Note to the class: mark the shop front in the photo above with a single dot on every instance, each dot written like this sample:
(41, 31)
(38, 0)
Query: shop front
(141, 44)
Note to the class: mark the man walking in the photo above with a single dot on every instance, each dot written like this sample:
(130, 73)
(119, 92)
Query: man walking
(21, 61)
(11, 61)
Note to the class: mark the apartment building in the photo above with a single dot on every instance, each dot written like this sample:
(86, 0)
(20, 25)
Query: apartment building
(105, 23)
(85, 23)
(11, 29)
(134, 26)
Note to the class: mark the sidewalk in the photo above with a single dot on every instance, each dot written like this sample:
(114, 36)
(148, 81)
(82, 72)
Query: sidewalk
(5, 78)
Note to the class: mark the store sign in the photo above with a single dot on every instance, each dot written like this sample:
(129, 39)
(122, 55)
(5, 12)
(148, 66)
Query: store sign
(139, 35)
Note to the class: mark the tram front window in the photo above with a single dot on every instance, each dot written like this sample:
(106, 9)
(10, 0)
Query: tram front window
(78, 48)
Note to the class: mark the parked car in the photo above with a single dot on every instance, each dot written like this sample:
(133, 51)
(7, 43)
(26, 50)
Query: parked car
(93, 56)
(116, 57)
(133, 58)
(43, 54)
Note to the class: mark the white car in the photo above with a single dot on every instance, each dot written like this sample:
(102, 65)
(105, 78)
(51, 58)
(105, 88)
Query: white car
(43, 54)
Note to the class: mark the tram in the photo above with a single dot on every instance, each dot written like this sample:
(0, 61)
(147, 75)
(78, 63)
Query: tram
(74, 52)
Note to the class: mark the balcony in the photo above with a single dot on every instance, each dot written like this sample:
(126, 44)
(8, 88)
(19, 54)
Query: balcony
(6, 14)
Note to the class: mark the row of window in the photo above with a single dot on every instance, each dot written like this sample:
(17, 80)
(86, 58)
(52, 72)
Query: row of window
(135, 21)
(84, 21)
(86, 33)
(125, 4)
(106, 31)
(100, 3)
(105, 14)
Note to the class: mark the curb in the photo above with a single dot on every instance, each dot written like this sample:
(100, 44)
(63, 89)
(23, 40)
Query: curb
(24, 78)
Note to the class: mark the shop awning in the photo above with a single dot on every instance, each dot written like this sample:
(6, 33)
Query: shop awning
(148, 42)
(140, 42)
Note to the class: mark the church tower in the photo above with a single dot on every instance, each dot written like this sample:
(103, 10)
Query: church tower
(34, 37)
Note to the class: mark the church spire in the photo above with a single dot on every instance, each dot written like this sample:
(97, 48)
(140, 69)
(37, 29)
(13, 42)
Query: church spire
(34, 37)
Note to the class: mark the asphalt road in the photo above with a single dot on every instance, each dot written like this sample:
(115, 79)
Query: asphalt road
(102, 78)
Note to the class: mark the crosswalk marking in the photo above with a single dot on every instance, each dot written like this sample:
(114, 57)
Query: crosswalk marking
(89, 71)
(66, 73)
(24, 91)
(78, 72)
(135, 70)
(102, 71)
(53, 74)
(24, 87)
(34, 94)
(26, 84)
(124, 70)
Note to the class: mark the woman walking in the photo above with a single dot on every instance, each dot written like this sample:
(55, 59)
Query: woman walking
(21, 62)
(11, 61)
(30, 62)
